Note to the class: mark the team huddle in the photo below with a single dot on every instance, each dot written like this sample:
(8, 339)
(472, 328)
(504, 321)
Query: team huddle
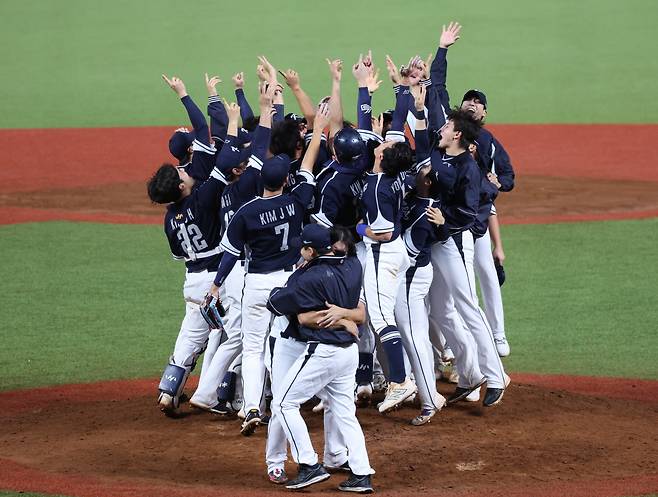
(331, 260)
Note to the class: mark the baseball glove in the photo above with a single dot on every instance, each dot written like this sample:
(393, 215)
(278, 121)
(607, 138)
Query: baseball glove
(213, 311)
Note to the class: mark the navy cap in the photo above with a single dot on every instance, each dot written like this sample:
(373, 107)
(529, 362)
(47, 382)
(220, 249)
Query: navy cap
(179, 142)
(275, 171)
(295, 117)
(316, 236)
(475, 93)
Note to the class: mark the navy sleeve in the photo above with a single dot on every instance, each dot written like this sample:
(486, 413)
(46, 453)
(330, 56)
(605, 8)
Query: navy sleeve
(438, 100)
(209, 193)
(218, 118)
(225, 267)
(245, 109)
(465, 210)
(304, 190)
(279, 113)
(197, 119)
(422, 148)
(364, 109)
(203, 160)
(260, 144)
(302, 295)
(396, 132)
(502, 167)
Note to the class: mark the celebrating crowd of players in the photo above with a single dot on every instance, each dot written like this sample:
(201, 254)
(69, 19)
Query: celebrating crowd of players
(316, 249)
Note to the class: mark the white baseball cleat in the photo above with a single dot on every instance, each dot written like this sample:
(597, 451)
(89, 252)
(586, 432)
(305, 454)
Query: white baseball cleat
(167, 404)
(426, 415)
(363, 394)
(502, 346)
(448, 372)
(319, 407)
(397, 393)
(474, 396)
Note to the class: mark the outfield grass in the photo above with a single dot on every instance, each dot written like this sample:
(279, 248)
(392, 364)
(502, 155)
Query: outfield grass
(87, 64)
(95, 301)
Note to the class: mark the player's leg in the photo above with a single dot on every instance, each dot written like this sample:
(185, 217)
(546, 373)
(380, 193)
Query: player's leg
(455, 253)
(338, 392)
(205, 396)
(283, 353)
(411, 314)
(485, 270)
(256, 320)
(386, 265)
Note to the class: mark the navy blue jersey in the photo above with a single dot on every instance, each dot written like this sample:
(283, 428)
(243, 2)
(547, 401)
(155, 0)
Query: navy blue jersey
(492, 157)
(337, 195)
(418, 232)
(269, 228)
(192, 225)
(438, 99)
(332, 279)
(382, 203)
(460, 194)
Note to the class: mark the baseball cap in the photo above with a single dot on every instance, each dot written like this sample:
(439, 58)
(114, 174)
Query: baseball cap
(475, 93)
(275, 171)
(179, 142)
(316, 236)
(295, 117)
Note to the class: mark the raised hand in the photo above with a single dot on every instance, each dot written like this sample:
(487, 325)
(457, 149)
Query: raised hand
(322, 117)
(367, 61)
(269, 68)
(360, 71)
(335, 68)
(292, 78)
(176, 84)
(450, 34)
(419, 93)
(238, 80)
(262, 73)
(373, 81)
(393, 72)
(266, 94)
(211, 83)
(412, 70)
(232, 110)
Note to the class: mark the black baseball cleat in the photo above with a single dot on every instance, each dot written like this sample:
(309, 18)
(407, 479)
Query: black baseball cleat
(251, 421)
(493, 396)
(307, 476)
(345, 467)
(265, 419)
(461, 393)
(360, 484)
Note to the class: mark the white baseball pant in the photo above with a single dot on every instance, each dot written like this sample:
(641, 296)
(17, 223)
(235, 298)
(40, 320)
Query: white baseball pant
(411, 316)
(256, 321)
(330, 368)
(454, 260)
(485, 270)
(215, 368)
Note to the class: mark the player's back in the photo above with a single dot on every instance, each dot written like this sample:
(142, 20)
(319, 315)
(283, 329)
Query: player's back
(337, 195)
(272, 229)
(382, 203)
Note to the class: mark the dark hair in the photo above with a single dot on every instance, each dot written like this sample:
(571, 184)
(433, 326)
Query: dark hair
(163, 187)
(397, 158)
(286, 139)
(464, 121)
(434, 189)
(271, 187)
(342, 234)
(251, 123)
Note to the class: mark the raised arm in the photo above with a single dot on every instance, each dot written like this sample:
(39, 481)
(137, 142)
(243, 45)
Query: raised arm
(216, 111)
(422, 138)
(439, 100)
(364, 100)
(245, 108)
(322, 119)
(197, 119)
(303, 100)
(335, 104)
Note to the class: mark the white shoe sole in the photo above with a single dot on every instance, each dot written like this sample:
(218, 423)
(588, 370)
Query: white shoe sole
(312, 481)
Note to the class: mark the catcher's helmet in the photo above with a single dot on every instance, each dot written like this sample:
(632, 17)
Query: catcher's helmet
(348, 145)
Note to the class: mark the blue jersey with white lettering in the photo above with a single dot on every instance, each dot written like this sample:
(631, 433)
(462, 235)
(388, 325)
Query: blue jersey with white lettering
(192, 225)
(269, 228)
(382, 203)
(327, 278)
(337, 195)
(418, 232)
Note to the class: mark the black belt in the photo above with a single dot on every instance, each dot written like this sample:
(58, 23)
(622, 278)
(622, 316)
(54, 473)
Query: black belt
(287, 269)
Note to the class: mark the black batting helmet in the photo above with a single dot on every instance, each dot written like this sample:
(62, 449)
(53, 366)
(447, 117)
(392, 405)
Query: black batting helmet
(348, 145)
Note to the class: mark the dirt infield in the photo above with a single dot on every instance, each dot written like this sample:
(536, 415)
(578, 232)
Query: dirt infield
(100, 174)
(109, 439)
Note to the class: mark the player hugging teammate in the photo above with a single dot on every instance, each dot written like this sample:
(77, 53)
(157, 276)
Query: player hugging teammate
(317, 252)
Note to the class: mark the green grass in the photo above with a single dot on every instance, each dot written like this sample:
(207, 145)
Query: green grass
(75, 63)
(94, 302)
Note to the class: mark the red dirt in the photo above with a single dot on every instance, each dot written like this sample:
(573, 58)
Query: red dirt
(99, 174)
(110, 439)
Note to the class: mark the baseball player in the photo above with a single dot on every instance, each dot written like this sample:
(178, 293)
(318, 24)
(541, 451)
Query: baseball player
(268, 229)
(245, 184)
(329, 362)
(191, 225)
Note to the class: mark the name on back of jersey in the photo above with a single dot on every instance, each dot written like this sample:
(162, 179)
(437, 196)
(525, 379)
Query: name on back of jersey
(274, 215)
